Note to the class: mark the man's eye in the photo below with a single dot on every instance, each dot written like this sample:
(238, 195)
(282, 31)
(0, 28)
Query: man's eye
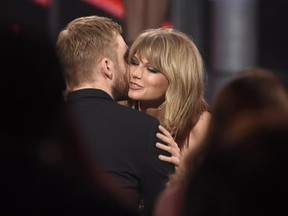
(153, 70)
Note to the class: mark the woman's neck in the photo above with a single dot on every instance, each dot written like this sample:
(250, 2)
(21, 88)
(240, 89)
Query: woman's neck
(155, 111)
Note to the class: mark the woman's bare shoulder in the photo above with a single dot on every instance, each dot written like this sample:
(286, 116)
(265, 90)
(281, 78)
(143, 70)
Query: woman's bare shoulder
(198, 132)
(203, 121)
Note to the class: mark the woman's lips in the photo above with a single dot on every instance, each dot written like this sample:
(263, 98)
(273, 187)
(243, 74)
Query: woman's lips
(134, 86)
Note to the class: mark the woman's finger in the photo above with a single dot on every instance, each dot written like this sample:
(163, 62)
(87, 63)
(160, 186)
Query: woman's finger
(171, 159)
(164, 131)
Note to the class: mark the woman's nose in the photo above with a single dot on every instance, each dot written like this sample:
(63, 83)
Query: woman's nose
(136, 72)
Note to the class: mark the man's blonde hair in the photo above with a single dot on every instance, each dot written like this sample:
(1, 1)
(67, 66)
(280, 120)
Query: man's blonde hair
(82, 44)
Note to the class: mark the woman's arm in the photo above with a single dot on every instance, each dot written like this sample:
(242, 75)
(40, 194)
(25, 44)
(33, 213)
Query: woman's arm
(198, 133)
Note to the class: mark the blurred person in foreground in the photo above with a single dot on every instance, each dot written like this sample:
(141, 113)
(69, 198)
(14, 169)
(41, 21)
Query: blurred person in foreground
(254, 96)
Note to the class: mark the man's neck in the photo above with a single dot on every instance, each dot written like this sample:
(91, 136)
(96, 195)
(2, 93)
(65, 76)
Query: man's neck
(91, 86)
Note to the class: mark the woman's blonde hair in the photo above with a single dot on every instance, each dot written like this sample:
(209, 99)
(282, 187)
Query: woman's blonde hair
(178, 58)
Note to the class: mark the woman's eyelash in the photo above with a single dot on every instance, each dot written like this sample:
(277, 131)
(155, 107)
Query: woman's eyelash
(134, 62)
(153, 70)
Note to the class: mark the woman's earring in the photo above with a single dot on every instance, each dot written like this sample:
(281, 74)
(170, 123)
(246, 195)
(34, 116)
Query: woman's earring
(161, 105)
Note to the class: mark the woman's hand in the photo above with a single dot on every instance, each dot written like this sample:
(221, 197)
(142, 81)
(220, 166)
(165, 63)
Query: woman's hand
(171, 147)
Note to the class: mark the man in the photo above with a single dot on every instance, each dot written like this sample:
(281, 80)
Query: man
(92, 52)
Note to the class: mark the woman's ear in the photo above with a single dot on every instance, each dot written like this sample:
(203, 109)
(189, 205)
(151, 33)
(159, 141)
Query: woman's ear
(107, 67)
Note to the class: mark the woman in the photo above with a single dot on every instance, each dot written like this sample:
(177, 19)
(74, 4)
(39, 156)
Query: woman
(167, 81)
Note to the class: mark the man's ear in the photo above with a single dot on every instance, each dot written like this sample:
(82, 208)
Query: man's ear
(107, 67)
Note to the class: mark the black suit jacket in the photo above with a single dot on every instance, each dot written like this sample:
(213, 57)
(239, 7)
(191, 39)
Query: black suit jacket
(30, 186)
(123, 141)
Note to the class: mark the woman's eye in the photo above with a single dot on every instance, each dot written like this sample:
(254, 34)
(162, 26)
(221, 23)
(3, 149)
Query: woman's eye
(134, 62)
(153, 70)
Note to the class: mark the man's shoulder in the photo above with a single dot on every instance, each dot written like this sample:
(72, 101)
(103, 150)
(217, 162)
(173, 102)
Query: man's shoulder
(132, 113)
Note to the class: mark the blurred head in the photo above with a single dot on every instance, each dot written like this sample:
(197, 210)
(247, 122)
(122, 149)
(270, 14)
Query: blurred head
(166, 65)
(251, 90)
(81, 47)
(31, 89)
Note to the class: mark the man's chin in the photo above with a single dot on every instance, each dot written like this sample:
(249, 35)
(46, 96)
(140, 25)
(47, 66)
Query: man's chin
(120, 92)
(122, 98)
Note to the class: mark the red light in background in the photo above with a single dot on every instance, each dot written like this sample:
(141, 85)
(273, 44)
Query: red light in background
(113, 7)
(43, 3)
